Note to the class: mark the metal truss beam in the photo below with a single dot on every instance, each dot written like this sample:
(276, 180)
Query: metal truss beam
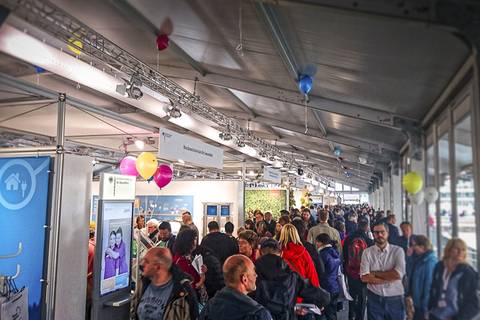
(64, 27)
(374, 116)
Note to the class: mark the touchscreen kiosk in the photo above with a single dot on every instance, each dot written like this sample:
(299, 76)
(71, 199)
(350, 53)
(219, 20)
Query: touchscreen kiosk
(111, 289)
(115, 246)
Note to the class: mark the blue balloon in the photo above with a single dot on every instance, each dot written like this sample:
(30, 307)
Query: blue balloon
(39, 69)
(337, 151)
(305, 84)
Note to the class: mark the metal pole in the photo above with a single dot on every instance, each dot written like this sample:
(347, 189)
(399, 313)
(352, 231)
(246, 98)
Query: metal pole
(453, 174)
(476, 148)
(34, 150)
(56, 214)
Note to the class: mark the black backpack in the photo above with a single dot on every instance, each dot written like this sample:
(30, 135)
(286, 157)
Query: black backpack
(276, 296)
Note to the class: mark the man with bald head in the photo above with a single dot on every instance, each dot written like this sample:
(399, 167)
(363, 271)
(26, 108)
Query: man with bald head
(232, 302)
(165, 291)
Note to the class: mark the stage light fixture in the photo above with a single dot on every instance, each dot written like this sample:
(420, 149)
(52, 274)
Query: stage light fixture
(225, 136)
(240, 143)
(140, 144)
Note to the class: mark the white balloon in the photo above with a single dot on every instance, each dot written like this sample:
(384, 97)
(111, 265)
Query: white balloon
(418, 197)
(431, 194)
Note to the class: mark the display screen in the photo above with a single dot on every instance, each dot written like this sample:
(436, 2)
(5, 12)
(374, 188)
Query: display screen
(212, 210)
(225, 210)
(116, 246)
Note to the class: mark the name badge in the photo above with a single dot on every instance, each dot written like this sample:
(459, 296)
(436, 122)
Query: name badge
(442, 303)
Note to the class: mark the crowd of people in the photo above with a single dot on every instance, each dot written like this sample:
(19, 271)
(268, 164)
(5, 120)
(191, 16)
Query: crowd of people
(306, 265)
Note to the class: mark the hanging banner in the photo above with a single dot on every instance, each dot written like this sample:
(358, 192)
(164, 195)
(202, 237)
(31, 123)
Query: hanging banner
(272, 175)
(24, 185)
(175, 146)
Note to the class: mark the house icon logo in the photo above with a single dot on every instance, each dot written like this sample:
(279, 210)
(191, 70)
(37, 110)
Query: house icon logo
(12, 183)
(18, 182)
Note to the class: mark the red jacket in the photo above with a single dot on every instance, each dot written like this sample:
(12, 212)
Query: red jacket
(186, 266)
(299, 260)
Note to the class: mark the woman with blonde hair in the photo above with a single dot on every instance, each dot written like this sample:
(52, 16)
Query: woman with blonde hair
(295, 254)
(454, 292)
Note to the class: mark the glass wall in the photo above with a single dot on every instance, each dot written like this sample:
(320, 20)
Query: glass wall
(464, 185)
(449, 164)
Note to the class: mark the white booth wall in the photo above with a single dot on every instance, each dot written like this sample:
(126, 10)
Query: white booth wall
(219, 191)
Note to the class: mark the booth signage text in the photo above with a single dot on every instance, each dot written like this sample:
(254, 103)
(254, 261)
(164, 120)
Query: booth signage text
(117, 187)
(175, 146)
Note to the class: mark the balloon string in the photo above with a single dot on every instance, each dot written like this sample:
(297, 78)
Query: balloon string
(306, 114)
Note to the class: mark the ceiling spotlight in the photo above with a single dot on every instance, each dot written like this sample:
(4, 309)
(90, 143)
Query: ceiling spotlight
(174, 112)
(225, 136)
(134, 92)
(240, 143)
(262, 154)
(300, 171)
(130, 89)
(140, 144)
(271, 158)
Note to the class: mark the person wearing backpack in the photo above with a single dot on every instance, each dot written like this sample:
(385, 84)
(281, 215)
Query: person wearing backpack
(352, 255)
(278, 286)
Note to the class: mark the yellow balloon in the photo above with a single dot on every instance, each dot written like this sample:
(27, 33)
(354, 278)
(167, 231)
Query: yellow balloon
(76, 44)
(412, 182)
(146, 165)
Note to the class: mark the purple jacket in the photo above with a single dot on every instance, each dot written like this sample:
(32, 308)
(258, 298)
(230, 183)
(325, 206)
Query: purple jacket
(329, 279)
(110, 266)
(121, 263)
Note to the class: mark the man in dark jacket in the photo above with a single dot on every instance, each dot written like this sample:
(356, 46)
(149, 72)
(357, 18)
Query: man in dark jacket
(221, 244)
(165, 237)
(357, 288)
(393, 233)
(270, 222)
(278, 286)
(165, 291)
(232, 302)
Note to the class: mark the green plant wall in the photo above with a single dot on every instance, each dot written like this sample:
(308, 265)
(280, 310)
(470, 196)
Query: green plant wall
(265, 200)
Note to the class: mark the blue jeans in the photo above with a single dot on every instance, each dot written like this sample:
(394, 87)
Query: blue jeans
(385, 308)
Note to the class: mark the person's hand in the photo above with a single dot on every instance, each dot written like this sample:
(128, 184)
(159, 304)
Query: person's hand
(301, 311)
(203, 269)
(201, 282)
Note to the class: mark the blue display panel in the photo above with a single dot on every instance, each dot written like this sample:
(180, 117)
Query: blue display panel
(225, 210)
(24, 186)
(165, 207)
(212, 210)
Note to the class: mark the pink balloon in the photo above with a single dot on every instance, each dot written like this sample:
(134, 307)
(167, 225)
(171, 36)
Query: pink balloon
(127, 166)
(163, 175)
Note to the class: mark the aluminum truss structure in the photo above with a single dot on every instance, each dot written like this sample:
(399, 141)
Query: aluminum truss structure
(62, 26)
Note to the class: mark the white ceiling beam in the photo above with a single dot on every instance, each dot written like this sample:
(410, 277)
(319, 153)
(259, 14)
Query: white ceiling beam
(378, 117)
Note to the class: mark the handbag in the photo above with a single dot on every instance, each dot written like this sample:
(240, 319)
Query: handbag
(343, 285)
(16, 306)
